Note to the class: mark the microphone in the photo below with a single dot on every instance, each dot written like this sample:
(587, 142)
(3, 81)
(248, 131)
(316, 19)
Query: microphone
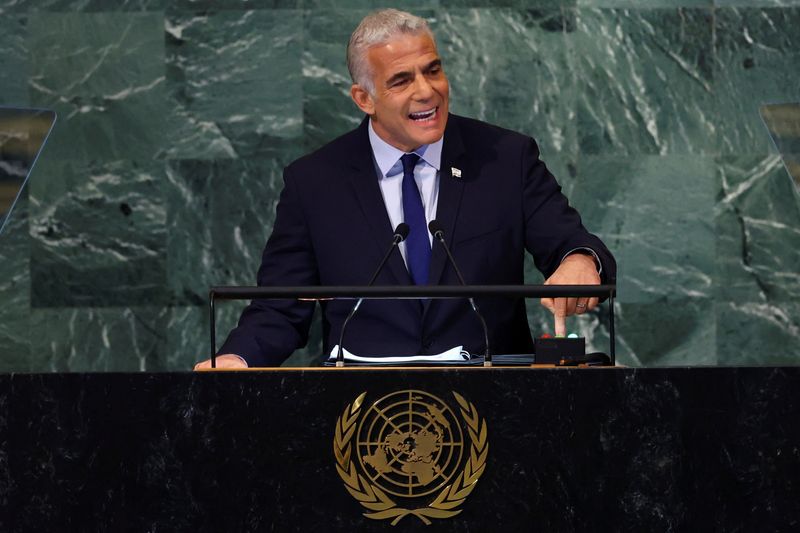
(400, 234)
(437, 231)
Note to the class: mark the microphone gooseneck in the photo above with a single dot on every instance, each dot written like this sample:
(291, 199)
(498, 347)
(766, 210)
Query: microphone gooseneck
(437, 231)
(400, 234)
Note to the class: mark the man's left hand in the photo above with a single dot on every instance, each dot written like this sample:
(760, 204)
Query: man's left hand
(575, 269)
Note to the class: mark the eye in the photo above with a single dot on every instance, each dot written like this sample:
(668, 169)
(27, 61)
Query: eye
(398, 83)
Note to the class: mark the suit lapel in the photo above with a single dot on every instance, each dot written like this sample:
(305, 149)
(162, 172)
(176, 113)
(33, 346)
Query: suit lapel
(451, 189)
(367, 190)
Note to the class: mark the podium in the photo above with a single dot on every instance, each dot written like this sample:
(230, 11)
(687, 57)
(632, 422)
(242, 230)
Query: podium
(569, 449)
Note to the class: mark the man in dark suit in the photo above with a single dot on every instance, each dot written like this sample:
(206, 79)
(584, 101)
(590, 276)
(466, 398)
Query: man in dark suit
(411, 161)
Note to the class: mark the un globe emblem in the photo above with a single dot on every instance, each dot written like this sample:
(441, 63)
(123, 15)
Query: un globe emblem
(409, 447)
(410, 443)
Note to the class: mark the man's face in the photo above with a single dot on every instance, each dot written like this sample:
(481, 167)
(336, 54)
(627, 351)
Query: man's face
(410, 104)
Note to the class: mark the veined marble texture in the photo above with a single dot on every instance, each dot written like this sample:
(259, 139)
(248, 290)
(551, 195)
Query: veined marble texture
(235, 83)
(753, 219)
(645, 4)
(657, 220)
(756, 3)
(519, 81)
(14, 74)
(176, 118)
(757, 57)
(128, 339)
(96, 70)
(15, 289)
(644, 81)
(28, 6)
(98, 235)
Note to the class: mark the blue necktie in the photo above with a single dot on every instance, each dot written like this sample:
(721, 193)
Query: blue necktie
(418, 247)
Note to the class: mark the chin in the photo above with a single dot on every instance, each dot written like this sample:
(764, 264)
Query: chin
(428, 136)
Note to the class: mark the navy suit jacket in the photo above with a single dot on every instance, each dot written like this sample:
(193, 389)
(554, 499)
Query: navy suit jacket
(331, 228)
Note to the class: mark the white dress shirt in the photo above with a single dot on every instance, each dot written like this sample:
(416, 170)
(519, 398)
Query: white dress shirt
(389, 170)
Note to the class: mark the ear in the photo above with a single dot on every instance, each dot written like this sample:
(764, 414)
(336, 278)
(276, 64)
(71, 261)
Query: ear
(362, 99)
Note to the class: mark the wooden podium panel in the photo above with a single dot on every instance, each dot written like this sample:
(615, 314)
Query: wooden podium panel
(692, 449)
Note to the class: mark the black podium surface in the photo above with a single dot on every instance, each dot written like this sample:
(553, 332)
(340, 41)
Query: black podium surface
(616, 449)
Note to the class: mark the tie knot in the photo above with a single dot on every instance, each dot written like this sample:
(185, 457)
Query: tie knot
(409, 162)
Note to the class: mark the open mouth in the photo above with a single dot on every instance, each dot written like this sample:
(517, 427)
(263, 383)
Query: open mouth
(423, 116)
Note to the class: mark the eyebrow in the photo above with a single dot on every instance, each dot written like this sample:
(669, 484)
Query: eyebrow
(407, 74)
(435, 63)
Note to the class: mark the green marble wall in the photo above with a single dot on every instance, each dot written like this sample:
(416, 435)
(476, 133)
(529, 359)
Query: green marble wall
(177, 116)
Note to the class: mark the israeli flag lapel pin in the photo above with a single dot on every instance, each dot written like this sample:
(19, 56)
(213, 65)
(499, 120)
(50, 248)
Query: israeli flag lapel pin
(455, 172)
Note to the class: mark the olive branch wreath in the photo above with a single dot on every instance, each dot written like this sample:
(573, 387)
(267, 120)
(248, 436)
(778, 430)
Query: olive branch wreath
(446, 503)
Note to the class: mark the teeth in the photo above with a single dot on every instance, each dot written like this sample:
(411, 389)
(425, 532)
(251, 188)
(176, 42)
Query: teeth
(422, 115)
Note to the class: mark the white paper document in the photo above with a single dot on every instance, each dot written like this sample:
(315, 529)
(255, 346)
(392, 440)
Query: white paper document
(453, 355)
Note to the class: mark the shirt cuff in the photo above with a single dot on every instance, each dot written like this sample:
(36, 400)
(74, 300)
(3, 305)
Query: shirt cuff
(590, 252)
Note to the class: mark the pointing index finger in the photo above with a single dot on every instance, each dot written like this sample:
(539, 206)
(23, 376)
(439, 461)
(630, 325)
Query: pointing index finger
(560, 317)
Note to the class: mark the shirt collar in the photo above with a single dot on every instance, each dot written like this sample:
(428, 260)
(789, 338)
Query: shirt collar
(386, 155)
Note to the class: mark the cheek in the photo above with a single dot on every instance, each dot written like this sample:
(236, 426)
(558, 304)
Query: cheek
(397, 107)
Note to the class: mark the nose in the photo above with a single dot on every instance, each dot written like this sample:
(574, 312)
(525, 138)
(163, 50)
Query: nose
(422, 88)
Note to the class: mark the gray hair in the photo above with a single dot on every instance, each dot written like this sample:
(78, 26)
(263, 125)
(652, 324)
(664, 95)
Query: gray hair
(378, 28)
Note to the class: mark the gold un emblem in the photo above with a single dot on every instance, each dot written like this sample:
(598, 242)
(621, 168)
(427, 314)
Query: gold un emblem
(405, 454)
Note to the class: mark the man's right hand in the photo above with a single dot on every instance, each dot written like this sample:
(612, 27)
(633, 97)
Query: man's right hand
(228, 360)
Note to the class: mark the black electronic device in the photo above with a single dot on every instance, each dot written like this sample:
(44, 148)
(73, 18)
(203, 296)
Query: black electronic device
(551, 350)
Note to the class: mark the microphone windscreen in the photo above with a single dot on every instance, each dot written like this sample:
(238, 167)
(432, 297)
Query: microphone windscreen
(434, 227)
(402, 230)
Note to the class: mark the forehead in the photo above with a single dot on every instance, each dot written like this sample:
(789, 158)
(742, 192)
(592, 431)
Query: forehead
(402, 52)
